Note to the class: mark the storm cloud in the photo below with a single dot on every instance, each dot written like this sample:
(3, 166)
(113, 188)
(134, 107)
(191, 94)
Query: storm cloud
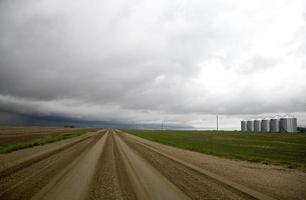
(148, 61)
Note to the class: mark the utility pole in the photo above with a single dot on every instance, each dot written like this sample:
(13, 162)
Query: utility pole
(217, 122)
(162, 125)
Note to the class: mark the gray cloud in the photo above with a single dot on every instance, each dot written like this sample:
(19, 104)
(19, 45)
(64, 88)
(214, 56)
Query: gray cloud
(144, 61)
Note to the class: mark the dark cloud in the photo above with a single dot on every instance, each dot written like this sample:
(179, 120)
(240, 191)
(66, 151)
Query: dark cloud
(144, 61)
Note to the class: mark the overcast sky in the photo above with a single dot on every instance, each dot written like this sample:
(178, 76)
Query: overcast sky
(143, 61)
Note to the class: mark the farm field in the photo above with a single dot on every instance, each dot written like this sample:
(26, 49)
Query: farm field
(13, 138)
(112, 164)
(271, 148)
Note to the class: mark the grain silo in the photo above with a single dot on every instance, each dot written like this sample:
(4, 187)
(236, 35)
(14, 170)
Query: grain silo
(250, 125)
(265, 125)
(257, 125)
(274, 124)
(244, 125)
(288, 124)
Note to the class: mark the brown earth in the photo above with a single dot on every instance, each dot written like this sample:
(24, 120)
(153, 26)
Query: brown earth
(110, 164)
(18, 134)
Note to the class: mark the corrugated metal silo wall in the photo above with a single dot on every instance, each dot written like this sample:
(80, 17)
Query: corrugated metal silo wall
(257, 125)
(288, 125)
(250, 125)
(243, 126)
(265, 125)
(274, 125)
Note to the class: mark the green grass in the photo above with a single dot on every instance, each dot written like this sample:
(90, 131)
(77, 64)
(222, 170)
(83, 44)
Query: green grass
(288, 149)
(37, 142)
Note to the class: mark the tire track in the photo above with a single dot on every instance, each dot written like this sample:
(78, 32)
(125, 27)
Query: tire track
(27, 181)
(37, 158)
(74, 180)
(147, 181)
(111, 180)
(194, 181)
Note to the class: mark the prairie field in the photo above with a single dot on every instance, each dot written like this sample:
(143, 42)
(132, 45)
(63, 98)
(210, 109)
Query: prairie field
(287, 149)
(14, 138)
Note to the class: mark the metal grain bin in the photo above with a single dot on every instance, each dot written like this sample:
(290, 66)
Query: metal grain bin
(288, 124)
(250, 125)
(244, 125)
(274, 125)
(293, 124)
(257, 125)
(265, 125)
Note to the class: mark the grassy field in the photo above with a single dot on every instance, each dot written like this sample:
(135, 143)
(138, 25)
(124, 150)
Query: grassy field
(21, 144)
(269, 148)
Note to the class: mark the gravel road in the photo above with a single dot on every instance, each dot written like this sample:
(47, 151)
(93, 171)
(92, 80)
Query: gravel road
(110, 164)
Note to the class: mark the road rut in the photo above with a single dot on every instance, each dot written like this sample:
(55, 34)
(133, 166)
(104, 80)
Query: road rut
(110, 164)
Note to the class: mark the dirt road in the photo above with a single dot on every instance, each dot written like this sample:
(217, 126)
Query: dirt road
(110, 164)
